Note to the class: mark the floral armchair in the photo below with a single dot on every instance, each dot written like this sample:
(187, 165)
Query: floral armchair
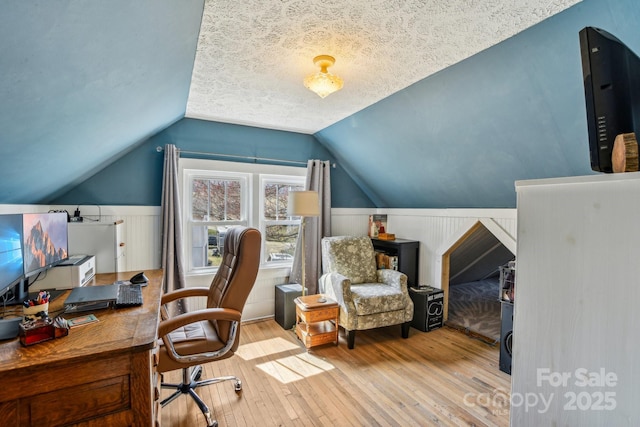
(368, 298)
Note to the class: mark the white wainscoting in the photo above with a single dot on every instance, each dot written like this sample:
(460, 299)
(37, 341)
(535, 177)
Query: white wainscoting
(141, 232)
(434, 229)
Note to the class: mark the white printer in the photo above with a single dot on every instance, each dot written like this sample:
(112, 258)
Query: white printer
(72, 273)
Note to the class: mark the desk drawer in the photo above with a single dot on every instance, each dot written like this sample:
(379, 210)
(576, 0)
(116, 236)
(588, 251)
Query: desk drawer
(9, 414)
(77, 404)
(318, 315)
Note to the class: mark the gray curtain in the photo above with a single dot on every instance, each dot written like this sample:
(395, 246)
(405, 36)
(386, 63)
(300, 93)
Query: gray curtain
(318, 179)
(172, 256)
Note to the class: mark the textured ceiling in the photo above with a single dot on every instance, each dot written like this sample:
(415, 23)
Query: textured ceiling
(253, 55)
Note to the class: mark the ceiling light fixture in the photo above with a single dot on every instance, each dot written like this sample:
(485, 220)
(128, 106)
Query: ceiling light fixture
(323, 82)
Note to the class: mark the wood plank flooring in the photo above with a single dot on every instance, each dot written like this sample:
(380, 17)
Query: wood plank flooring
(438, 378)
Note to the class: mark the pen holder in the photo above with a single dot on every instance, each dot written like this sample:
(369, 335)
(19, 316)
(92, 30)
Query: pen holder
(35, 309)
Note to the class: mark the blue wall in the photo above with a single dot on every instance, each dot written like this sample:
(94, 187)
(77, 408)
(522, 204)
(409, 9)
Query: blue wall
(81, 82)
(461, 138)
(136, 179)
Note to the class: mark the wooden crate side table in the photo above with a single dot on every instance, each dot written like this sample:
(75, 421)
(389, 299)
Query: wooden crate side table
(316, 322)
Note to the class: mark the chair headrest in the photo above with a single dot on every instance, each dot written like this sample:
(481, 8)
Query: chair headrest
(238, 268)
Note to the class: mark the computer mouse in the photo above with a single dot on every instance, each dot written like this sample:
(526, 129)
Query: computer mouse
(139, 278)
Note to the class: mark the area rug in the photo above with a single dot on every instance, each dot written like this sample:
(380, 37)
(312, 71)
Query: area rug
(475, 307)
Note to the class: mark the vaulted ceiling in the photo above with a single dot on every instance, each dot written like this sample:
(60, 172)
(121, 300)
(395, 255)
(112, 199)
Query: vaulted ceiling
(253, 55)
(83, 83)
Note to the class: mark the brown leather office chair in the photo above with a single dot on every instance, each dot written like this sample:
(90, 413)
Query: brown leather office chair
(201, 336)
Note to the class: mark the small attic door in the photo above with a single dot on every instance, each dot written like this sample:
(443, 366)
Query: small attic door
(476, 250)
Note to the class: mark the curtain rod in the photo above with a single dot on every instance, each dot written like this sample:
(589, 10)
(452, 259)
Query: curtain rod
(267, 159)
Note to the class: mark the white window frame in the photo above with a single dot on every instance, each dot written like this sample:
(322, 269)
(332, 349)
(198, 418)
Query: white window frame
(266, 179)
(215, 168)
(189, 223)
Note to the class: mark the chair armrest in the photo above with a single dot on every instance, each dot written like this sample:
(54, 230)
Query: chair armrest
(393, 278)
(184, 293)
(338, 287)
(169, 325)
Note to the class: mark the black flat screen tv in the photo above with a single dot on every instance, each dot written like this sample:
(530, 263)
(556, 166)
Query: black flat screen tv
(611, 74)
(45, 241)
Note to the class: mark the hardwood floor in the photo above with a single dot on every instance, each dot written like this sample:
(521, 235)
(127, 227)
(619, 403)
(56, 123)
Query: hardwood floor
(438, 378)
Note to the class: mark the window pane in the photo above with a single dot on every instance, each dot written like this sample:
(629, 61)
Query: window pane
(207, 246)
(280, 242)
(276, 197)
(233, 212)
(199, 247)
(200, 199)
(270, 191)
(216, 200)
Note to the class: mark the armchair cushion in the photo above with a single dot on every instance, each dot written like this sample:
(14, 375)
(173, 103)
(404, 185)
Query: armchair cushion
(372, 298)
(351, 257)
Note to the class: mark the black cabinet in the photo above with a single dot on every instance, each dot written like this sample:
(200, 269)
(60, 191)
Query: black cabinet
(408, 253)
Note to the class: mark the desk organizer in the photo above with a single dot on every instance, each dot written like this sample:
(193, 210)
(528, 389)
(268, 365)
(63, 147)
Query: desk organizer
(36, 331)
(35, 309)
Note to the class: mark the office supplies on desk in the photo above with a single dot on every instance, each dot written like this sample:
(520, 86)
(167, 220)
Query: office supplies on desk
(91, 297)
(36, 331)
(97, 297)
(61, 327)
(82, 320)
(129, 295)
(37, 306)
(139, 278)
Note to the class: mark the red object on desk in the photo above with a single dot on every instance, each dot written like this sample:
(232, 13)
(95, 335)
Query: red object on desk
(36, 332)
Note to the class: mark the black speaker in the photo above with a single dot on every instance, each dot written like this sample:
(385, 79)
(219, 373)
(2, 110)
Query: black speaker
(285, 307)
(506, 336)
(428, 308)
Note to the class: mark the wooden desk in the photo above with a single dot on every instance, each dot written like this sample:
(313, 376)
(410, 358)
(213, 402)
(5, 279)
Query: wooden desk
(100, 374)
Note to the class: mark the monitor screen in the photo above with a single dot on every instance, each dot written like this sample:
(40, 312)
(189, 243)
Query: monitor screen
(45, 241)
(11, 265)
(611, 74)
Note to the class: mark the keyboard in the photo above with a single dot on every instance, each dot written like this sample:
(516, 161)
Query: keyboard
(129, 295)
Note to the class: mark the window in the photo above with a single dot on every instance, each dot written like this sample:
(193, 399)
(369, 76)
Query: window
(217, 195)
(216, 200)
(279, 231)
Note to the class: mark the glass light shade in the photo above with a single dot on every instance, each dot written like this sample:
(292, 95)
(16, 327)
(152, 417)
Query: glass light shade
(323, 82)
(303, 203)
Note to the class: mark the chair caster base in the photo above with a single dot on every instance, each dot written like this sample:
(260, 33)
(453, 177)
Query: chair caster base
(191, 381)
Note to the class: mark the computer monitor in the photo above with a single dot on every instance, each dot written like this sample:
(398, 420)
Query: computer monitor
(11, 257)
(611, 74)
(45, 241)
